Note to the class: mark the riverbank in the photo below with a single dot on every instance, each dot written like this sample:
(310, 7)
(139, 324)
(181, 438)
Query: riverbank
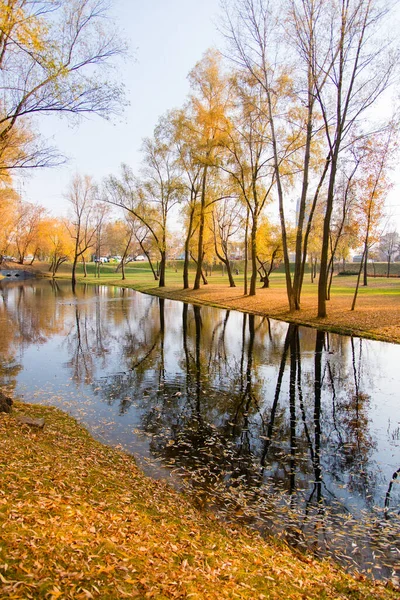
(79, 520)
(376, 316)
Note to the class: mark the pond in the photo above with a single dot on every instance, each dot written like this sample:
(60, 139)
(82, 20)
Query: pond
(293, 431)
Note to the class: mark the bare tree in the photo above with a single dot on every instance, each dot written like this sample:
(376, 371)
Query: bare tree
(83, 225)
(362, 69)
(254, 30)
(151, 198)
(26, 227)
(227, 220)
(389, 246)
(52, 60)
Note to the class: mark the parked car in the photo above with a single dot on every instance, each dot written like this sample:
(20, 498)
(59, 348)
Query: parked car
(101, 259)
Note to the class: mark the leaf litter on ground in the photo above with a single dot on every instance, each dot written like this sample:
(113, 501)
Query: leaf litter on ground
(79, 520)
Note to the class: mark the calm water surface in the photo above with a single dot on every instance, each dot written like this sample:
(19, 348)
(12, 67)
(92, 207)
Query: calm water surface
(289, 430)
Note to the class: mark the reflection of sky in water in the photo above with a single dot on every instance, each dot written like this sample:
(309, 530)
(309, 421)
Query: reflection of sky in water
(78, 353)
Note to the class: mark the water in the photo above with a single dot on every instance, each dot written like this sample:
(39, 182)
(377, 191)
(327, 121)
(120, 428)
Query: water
(286, 429)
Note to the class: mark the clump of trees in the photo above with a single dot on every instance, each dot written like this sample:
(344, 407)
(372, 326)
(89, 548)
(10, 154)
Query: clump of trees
(53, 59)
(285, 121)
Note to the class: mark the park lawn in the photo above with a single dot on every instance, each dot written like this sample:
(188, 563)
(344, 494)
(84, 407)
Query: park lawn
(78, 520)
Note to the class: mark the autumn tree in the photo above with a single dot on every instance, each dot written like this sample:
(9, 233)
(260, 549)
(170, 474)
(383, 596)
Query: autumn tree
(389, 247)
(263, 40)
(53, 57)
(376, 154)
(26, 228)
(227, 221)
(361, 70)
(59, 243)
(82, 226)
(150, 198)
(344, 224)
(119, 237)
(184, 140)
(248, 160)
(325, 56)
(269, 250)
(209, 124)
(8, 214)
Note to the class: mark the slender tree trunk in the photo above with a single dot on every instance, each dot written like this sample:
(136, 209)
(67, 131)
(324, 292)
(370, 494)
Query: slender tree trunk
(331, 267)
(288, 277)
(187, 251)
(73, 273)
(358, 281)
(162, 268)
(246, 252)
(323, 267)
(301, 242)
(253, 253)
(84, 266)
(200, 250)
(225, 260)
(232, 283)
(365, 283)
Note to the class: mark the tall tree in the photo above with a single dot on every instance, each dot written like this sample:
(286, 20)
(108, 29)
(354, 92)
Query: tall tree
(209, 124)
(82, 225)
(151, 198)
(362, 69)
(389, 246)
(254, 30)
(26, 228)
(373, 187)
(227, 220)
(247, 158)
(184, 139)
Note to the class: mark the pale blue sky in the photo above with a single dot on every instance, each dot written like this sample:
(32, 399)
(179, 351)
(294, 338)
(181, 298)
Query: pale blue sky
(167, 38)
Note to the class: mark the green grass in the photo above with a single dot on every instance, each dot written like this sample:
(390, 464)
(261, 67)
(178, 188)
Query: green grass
(139, 276)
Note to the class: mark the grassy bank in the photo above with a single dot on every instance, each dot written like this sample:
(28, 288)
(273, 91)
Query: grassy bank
(377, 313)
(78, 520)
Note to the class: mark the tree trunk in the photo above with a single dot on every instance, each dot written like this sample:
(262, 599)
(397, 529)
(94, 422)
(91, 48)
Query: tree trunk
(187, 252)
(73, 273)
(229, 273)
(163, 261)
(358, 281)
(323, 268)
(200, 251)
(365, 282)
(84, 266)
(253, 253)
(246, 251)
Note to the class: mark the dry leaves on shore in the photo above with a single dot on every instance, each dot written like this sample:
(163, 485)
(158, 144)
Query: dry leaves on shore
(78, 520)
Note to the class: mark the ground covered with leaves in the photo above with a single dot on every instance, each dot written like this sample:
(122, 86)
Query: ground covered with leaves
(377, 312)
(79, 520)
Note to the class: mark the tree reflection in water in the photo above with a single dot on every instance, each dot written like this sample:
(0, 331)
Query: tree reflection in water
(261, 421)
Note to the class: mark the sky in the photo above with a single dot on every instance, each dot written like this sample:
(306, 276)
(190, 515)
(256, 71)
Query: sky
(166, 38)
